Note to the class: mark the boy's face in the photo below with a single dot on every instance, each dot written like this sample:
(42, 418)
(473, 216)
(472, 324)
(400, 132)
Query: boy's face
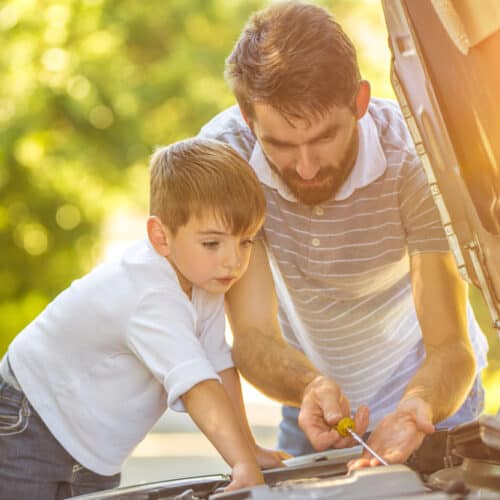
(205, 254)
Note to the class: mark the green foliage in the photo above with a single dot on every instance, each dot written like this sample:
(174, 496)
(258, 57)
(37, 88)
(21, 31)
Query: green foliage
(88, 89)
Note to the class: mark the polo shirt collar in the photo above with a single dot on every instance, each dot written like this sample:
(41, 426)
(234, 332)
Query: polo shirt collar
(370, 164)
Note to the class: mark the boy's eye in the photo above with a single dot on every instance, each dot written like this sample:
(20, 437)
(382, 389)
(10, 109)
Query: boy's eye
(210, 244)
(247, 242)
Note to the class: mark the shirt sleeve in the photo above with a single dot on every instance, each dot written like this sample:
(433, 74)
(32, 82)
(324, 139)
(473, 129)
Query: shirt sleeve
(420, 216)
(162, 334)
(230, 127)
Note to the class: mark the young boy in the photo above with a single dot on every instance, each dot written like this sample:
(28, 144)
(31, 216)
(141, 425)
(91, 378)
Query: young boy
(85, 381)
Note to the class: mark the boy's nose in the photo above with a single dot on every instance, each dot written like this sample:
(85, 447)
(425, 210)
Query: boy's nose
(233, 259)
(307, 166)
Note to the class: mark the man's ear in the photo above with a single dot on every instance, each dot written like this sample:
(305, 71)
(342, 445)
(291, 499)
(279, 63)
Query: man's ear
(158, 235)
(362, 98)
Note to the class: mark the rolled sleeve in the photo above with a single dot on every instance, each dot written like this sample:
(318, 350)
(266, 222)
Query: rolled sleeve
(163, 333)
(184, 377)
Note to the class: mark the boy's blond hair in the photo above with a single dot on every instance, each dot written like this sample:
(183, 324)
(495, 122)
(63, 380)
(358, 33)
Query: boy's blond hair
(198, 177)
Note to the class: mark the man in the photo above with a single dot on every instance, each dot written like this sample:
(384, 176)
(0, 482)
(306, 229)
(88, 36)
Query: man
(352, 301)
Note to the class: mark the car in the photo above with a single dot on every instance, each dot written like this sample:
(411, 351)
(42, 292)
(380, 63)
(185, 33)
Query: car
(446, 76)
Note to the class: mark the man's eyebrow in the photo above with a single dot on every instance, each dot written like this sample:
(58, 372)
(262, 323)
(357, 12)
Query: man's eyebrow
(327, 132)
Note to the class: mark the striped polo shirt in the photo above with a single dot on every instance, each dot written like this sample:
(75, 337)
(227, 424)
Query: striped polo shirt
(341, 268)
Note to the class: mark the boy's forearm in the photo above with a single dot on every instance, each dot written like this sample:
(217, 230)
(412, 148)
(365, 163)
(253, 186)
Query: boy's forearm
(211, 409)
(231, 383)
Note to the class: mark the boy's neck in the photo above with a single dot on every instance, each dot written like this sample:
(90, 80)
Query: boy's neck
(187, 286)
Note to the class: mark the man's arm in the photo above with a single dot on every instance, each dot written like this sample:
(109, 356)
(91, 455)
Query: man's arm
(447, 374)
(260, 352)
(280, 371)
(443, 381)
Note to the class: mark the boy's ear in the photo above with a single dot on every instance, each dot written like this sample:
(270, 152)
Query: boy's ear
(362, 98)
(158, 235)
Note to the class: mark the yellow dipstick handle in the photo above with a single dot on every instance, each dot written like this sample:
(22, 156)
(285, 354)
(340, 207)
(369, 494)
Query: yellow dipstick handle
(345, 425)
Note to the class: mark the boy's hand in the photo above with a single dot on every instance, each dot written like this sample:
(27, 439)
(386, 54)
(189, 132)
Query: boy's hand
(270, 459)
(245, 475)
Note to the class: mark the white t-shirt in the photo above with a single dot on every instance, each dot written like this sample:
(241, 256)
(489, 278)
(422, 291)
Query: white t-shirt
(106, 358)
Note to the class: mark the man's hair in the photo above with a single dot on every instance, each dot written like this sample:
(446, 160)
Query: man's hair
(295, 57)
(198, 177)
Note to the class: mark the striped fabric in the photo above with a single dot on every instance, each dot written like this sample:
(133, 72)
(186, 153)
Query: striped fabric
(342, 269)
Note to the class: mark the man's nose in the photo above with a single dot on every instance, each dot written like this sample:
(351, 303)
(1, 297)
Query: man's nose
(307, 165)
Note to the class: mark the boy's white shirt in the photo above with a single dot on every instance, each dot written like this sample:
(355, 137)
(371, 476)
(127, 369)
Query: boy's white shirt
(106, 358)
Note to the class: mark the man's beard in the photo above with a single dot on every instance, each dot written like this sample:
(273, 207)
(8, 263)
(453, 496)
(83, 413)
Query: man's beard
(327, 181)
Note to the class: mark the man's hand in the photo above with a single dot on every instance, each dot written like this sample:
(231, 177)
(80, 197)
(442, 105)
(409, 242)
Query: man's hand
(323, 405)
(398, 434)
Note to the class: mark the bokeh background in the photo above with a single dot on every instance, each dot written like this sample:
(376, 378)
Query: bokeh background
(88, 89)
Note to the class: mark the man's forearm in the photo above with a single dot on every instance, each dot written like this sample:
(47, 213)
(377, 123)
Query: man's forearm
(444, 379)
(273, 366)
(448, 371)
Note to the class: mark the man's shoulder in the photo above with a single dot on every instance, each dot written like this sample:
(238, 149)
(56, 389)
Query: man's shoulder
(230, 127)
(391, 126)
(385, 112)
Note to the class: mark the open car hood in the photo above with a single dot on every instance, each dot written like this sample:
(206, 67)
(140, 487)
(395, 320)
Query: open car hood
(446, 75)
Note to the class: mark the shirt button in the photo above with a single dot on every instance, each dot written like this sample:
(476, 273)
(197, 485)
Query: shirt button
(315, 242)
(319, 211)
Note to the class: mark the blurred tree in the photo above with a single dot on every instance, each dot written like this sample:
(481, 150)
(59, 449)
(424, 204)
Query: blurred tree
(88, 88)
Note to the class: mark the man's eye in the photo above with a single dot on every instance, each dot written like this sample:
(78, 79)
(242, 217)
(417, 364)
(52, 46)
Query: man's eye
(210, 244)
(325, 139)
(280, 147)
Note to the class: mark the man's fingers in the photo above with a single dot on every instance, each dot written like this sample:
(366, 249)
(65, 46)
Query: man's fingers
(324, 440)
(334, 405)
(358, 463)
(326, 395)
(361, 420)
(423, 423)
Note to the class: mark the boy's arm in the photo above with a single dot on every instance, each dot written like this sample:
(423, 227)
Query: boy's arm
(213, 412)
(266, 458)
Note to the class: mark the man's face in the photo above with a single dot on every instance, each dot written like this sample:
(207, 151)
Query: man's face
(312, 158)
